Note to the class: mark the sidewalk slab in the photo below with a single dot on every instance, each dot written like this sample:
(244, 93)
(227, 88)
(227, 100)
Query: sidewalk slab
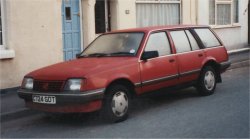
(239, 56)
(11, 102)
(24, 112)
(241, 64)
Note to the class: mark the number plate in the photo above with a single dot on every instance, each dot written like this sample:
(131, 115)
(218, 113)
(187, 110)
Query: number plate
(44, 99)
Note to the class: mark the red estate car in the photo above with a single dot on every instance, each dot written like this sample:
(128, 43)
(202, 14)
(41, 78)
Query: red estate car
(121, 64)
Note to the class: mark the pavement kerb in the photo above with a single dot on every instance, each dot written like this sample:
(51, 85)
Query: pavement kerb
(236, 51)
(17, 114)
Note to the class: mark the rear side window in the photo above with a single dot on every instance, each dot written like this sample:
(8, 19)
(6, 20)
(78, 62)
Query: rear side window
(180, 41)
(207, 37)
(192, 40)
(160, 43)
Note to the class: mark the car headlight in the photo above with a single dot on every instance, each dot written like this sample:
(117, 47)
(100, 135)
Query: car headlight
(73, 85)
(28, 83)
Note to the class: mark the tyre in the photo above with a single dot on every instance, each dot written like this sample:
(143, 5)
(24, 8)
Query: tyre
(207, 81)
(116, 103)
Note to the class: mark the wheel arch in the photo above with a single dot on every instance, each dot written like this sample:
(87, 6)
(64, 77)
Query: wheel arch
(216, 67)
(123, 81)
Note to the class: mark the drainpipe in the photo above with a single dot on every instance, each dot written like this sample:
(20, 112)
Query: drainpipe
(196, 11)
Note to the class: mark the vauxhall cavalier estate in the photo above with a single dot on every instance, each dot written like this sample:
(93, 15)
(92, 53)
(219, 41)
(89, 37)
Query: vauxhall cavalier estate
(122, 64)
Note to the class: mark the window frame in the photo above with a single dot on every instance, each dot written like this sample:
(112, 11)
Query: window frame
(5, 52)
(164, 2)
(231, 3)
(159, 1)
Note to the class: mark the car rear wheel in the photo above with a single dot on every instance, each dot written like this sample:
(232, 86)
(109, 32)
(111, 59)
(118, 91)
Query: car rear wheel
(116, 103)
(207, 81)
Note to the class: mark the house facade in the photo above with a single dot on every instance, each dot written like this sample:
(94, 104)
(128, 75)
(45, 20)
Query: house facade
(37, 33)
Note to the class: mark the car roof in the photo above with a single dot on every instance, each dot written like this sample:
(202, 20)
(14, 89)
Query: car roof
(155, 28)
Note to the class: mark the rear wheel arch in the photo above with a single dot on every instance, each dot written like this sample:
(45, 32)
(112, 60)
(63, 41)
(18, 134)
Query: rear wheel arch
(216, 67)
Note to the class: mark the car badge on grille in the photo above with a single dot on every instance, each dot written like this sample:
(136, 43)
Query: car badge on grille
(45, 86)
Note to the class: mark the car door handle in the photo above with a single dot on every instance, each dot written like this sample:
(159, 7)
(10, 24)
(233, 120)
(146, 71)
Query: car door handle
(171, 60)
(200, 55)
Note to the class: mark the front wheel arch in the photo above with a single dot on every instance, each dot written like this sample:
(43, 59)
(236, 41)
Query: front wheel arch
(124, 82)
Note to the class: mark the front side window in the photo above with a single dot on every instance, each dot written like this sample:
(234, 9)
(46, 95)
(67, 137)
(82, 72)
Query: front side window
(207, 37)
(115, 44)
(223, 12)
(158, 42)
(181, 42)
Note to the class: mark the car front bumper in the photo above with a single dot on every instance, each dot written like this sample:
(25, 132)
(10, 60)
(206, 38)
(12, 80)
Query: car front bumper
(66, 102)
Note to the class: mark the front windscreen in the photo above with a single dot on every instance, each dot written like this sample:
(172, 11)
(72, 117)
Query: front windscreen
(120, 44)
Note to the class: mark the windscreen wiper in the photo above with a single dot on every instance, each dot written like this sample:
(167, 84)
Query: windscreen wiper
(122, 53)
(97, 55)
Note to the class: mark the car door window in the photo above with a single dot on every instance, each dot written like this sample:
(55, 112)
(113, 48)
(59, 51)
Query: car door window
(180, 41)
(158, 42)
(207, 37)
(192, 40)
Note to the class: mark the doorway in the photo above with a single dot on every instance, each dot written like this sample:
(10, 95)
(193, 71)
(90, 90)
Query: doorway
(71, 14)
(102, 16)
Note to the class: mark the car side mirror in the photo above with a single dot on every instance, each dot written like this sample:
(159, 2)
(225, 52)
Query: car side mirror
(149, 54)
(78, 55)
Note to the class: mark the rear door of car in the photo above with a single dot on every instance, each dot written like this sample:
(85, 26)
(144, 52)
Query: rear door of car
(189, 54)
(160, 71)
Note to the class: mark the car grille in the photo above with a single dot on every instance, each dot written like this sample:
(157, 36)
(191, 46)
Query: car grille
(48, 86)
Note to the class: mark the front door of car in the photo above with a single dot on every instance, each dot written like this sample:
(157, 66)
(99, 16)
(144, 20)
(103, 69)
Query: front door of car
(160, 71)
(189, 55)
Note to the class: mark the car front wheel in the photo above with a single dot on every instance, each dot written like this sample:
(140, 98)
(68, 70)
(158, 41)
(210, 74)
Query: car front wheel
(116, 103)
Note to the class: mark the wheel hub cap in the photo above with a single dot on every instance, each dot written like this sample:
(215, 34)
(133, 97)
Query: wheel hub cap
(119, 104)
(209, 80)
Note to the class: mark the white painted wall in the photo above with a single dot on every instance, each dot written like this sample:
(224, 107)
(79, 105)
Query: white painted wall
(195, 12)
(34, 32)
(126, 20)
(189, 12)
(233, 37)
(88, 15)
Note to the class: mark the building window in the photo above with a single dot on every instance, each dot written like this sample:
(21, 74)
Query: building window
(158, 12)
(223, 12)
(236, 11)
(5, 53)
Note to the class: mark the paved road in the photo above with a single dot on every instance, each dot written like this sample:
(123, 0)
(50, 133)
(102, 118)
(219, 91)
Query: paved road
(181, 114)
